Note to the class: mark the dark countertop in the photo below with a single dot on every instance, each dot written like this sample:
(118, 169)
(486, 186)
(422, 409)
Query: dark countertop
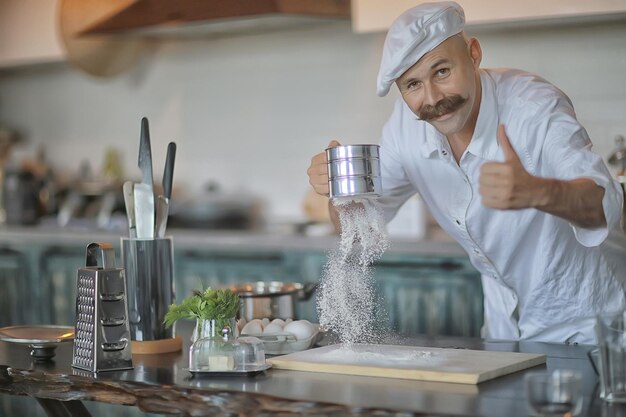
(160, 383)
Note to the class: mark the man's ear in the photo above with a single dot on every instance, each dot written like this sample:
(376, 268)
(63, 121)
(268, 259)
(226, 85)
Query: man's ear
(476, 53)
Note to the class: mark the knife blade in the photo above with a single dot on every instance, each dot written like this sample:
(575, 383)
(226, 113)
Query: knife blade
(163, 204)
(129, 202)
(144, 192)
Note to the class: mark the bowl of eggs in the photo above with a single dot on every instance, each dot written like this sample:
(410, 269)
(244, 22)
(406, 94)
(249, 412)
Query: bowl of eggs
(281, 336)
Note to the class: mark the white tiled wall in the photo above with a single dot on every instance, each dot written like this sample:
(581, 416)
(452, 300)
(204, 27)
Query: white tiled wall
(249, 111)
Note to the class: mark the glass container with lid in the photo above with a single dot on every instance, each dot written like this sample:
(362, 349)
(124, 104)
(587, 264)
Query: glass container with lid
(212, 352)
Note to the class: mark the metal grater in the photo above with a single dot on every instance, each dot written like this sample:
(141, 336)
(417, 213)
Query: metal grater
(102, 335)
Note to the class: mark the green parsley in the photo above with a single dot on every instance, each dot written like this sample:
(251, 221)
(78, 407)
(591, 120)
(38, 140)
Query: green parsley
(220, 305)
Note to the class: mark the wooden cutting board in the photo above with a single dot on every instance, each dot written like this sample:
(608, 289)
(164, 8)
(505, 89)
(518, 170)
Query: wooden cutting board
(409, 362)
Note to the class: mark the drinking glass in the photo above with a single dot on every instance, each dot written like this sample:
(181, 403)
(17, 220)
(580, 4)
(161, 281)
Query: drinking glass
(556, 393)
(611, 333)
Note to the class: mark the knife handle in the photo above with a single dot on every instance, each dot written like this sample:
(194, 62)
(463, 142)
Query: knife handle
(169, 170)
(129, 201)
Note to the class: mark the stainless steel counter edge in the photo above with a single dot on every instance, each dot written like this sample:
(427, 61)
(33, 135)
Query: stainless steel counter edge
(224, 240)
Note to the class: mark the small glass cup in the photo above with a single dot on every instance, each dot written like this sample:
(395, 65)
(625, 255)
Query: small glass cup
(556, 393)
(611, 333)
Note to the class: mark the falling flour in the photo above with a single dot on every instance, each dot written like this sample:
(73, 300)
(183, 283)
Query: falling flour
(347, 302)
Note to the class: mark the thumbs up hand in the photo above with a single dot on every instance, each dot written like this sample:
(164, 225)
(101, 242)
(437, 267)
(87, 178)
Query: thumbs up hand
(507, 185)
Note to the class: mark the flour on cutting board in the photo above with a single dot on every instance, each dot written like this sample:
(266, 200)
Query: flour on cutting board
(378, 355)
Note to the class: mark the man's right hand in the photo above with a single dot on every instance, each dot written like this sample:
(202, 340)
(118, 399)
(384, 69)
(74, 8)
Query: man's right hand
(318, 171)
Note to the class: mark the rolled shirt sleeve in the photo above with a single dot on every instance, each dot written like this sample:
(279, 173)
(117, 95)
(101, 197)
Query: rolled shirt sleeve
(612, 205)
(568, 148)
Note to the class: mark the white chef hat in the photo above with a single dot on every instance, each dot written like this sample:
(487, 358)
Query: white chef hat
(413, 34)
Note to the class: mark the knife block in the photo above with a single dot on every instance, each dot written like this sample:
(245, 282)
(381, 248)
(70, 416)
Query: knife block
(149, 265)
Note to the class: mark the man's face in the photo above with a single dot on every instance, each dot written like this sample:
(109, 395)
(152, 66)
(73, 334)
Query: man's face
(441, 88)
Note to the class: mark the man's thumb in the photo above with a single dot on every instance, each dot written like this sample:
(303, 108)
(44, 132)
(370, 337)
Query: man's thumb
(505, 144)
(333, 144)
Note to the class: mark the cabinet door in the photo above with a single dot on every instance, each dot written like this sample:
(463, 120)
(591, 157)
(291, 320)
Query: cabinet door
(196, 270)
(15, 301)
(58, 270)
(378, 15)
(28, 32)
(307, 268)
(435, 298)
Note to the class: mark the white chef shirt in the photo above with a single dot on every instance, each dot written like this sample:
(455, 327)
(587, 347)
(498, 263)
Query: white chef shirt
(543, 278)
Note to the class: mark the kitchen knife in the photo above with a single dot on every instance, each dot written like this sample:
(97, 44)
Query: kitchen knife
(129, 201)
(163, 203)
(143, 192)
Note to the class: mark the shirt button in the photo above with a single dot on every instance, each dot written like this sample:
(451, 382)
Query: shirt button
(444, 152)
(457, 221)
(476, 251)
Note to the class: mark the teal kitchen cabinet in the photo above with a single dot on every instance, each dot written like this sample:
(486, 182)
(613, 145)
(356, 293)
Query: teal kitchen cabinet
(309, 267)
(434, 296)
(196, 269)
(420, 293)
(13, 296)
(58, 268)
(39, 283)
(41, 277)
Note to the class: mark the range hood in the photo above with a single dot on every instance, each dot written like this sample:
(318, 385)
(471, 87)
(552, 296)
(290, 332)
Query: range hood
(135, 15)
(106, 37)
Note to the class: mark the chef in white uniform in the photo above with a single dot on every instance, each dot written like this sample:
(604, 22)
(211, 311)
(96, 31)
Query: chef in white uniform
(507, 170)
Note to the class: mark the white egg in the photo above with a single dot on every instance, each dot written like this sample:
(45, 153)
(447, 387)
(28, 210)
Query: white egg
(240, 324)
(252, 327)
(259, 322)
(265, 321)
(279, 322)
(301, 329)
(273, 328)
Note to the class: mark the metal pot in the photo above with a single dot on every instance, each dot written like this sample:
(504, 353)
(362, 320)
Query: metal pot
(272, 300)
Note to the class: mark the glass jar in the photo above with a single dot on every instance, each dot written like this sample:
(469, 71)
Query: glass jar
(212, 349)
(217, 349)
(249, 353)
(214, 327)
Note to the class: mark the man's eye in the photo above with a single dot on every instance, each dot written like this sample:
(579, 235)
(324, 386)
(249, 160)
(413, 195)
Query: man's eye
(412, 85)
(443, 72)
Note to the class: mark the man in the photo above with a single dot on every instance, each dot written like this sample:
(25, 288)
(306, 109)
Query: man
(506, 169)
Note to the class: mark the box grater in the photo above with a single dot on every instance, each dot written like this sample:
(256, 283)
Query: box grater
(102, 335)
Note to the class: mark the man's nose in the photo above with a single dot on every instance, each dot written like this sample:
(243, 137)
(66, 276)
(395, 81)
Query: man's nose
(432, 94)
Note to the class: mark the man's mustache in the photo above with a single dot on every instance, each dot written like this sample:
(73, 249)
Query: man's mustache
(443, 106)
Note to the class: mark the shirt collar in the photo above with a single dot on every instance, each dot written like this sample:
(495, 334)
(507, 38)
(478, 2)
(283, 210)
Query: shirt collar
(433, 142)
(484, 143)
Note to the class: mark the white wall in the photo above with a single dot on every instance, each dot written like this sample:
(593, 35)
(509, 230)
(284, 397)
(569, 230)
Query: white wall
(249, 111)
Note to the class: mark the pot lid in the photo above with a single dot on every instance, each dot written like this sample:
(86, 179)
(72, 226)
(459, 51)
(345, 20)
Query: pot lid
(261, 288)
